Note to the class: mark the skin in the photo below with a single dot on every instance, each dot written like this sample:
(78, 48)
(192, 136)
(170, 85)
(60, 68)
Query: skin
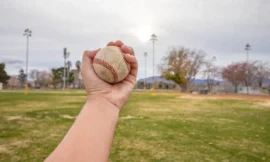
(90, 137)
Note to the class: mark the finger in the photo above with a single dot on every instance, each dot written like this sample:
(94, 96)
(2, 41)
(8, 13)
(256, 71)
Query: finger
(119, 43)
(111, 44)
(92, 54)
(127, 49)
(86, 61)
(131, 79)
(133, 64)
(130, 58)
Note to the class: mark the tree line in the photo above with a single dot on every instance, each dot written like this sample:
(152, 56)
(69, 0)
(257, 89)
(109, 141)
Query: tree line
(42, 78)
(182, 65)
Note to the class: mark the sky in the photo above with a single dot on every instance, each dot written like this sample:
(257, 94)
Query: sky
(221, 28)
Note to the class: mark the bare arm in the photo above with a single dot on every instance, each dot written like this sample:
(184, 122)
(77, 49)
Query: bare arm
(90, 137)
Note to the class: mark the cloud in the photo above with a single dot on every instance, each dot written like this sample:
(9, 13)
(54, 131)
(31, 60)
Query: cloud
(11, 60)
(221, 28)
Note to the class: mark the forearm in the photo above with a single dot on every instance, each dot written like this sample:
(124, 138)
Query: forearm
(90, 137)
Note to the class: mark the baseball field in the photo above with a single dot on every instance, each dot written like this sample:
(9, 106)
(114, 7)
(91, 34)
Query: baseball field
(154, 127)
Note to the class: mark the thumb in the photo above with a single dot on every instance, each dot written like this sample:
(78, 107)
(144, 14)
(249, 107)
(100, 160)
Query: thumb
(88, 56)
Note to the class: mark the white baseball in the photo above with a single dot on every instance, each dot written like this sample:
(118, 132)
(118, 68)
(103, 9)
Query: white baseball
(110, 64)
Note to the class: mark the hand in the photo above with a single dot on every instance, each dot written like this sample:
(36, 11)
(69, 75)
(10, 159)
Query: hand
(117, 93)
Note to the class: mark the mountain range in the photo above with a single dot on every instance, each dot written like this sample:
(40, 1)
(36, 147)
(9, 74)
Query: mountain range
(196, 81)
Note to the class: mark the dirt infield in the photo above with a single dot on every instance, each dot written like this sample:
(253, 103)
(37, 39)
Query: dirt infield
(228, 96)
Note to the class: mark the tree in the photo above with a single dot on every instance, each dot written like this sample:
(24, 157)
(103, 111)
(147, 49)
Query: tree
(263, 73)
(41, 78)
(70, 78)
(34, 76)
(250, 71)
(3, 74)
(182, 66)
(78, 67)
(69, 64)
(210, 73)
(22, 77)
(57, 76)
(13, 82)
(234, 74)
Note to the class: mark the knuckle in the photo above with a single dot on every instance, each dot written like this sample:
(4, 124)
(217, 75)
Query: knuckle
(85, 52)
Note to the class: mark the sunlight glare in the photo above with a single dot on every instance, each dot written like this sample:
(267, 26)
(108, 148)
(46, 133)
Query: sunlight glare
(143, 33)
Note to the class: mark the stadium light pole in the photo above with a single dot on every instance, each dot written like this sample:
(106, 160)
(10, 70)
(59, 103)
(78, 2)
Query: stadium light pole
(27, 33)
(153, 39)
(66, 55)
(247, 48)
(145, 56)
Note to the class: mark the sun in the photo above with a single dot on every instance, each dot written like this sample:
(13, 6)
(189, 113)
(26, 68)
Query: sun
(143, 33)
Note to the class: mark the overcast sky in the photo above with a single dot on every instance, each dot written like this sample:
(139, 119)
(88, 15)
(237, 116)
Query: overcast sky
(219, 27)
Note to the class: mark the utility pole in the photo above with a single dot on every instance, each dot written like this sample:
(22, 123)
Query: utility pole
(153, 39)
(27, 33)
(248, 48)
(66, 55)
(68, 70)
(145, 55)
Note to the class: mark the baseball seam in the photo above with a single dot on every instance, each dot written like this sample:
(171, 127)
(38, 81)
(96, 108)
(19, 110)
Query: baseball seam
(107, 66)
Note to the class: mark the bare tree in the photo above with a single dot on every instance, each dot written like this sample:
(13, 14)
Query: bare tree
(250, 71)
(13, 82)
(196, 62)
(263, 73)
(33, 75)
(210, 73)
(41, 78)
(182, 66)
(234, 74)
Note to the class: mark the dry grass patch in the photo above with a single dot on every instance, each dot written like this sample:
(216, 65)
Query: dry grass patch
(264, 104)
(68, 116)
(67, 99)
(156, 109)
(4, 149)
(245, 144)
(9, 118)
(20, 143)
(127, 117)
(8, 148)
(153, 150)
(226, 96)
(223, 121)
(27, 106)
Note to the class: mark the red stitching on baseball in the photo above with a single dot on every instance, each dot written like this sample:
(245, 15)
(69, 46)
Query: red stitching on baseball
(108, 66)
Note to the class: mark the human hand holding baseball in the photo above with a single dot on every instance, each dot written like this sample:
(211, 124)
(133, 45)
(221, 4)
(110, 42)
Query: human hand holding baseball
(118, 93)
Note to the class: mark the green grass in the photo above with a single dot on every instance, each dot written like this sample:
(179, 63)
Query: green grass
(152, 127)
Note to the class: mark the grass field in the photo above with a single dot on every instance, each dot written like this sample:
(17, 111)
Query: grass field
(152, 127)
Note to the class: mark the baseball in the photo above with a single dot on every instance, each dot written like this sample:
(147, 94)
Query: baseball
(110, 64)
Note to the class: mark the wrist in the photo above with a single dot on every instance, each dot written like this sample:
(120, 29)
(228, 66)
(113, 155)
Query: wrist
(102, 102)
